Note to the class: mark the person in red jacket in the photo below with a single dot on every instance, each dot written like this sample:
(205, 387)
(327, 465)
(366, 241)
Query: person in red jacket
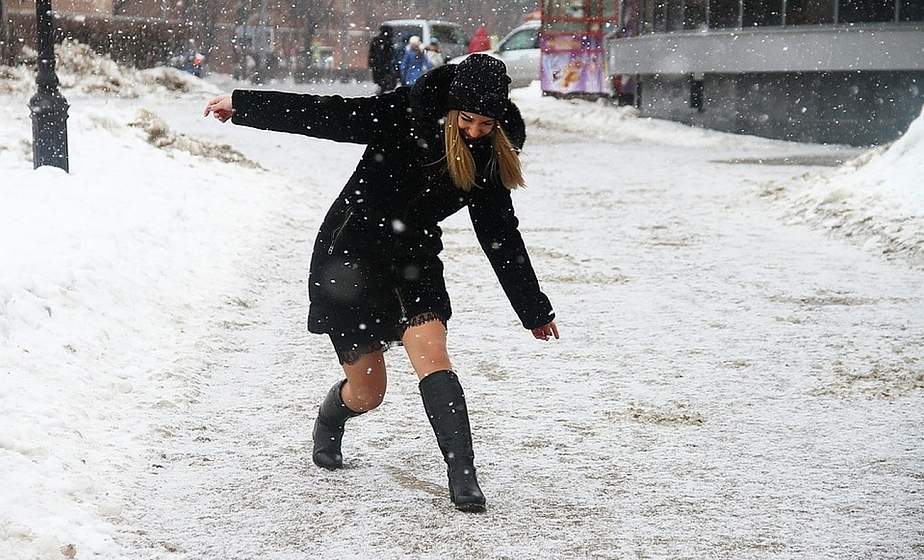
(480, 42)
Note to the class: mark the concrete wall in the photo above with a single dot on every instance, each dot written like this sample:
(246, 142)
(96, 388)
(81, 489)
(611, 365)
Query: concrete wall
(857, 108)
(886, 46)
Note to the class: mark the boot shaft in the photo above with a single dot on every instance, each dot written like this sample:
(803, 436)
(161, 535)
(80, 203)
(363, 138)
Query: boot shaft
(444, 402)
(334, 412)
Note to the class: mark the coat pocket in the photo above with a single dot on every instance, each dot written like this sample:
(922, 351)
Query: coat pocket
(338, 232)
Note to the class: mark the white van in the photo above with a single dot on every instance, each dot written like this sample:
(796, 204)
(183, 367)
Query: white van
(452, 39)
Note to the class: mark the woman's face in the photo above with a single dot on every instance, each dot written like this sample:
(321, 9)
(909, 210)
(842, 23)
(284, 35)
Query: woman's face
(474, 126)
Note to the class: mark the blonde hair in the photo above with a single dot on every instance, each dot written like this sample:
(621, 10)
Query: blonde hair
(461, 164)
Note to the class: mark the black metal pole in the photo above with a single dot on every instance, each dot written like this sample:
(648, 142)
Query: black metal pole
(48, 106)
(4, 39)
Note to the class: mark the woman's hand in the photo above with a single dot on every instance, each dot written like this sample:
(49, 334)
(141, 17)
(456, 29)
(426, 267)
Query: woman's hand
(220, 107)
(545, 331)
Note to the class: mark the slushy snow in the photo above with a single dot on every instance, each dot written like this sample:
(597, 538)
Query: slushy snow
(727, 385)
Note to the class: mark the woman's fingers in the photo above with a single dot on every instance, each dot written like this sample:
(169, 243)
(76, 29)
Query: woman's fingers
(546, 331)
(220, 107)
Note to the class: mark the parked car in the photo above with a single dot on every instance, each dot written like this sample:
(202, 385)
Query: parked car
(452, 39)
(519, 50)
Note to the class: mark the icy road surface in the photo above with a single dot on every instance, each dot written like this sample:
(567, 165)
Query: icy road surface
(726, 386)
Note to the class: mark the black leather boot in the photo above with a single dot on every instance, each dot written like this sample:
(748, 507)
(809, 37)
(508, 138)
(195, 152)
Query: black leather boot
(444, 402)
(328, 429)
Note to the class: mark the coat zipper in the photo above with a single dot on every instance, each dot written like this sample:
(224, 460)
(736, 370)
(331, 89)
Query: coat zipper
(333, 242)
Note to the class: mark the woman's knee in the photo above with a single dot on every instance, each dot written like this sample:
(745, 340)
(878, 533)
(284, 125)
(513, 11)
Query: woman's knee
(366, 383)
(363, 399)
(426, 347)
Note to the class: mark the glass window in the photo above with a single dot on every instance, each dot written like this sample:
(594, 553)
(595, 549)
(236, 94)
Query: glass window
(404, 32)
(723, 13)
(447, 34)
(654, 16)
(912, 10)
(675, 15)
(859, 11)
(809, 12)
(762, 12)
(630, 14)
(564, 8)
(660, 16)
(526, 39)
(609, 9)
(694, 14)
(647, 15)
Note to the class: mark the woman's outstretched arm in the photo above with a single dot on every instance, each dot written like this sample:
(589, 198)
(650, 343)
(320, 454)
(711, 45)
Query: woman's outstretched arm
(496, 226)
(356, 119)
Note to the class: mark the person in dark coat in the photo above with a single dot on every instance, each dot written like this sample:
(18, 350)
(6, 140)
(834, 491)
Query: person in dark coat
(449, 142)
(382, 59)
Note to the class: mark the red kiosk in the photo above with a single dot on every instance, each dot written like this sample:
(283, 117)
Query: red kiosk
(571, 40)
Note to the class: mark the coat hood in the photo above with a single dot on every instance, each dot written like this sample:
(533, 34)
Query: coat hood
(428, 99)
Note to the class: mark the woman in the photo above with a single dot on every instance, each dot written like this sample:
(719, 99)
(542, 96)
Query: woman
(450, 141)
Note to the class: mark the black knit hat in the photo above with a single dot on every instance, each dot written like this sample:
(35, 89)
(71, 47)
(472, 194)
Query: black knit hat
(480, 86)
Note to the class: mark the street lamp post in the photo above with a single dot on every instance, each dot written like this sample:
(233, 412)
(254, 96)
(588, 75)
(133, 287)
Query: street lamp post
(4, 37)
(48, 106)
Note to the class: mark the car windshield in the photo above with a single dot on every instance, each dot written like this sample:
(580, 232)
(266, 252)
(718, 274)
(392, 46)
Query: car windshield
(404, 32)
(448, 34)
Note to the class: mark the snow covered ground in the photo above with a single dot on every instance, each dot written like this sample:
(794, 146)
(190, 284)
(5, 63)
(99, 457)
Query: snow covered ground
(728, 384)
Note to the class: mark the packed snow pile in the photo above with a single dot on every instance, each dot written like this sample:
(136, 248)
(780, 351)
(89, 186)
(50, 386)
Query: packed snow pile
(160, 135)
(105, 272)
(80, 68)
(877, 198)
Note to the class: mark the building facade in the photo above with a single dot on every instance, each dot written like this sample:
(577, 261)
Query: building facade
(333, 34)
(839, 71)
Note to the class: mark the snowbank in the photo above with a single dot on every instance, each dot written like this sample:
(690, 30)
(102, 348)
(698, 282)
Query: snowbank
(80, 69)
(877, 198)
(104, 272)
(620, 124)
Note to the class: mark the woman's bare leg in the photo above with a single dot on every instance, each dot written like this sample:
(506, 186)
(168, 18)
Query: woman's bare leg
(366, 382)
(444, 402)
(362, 391)
(426, 347)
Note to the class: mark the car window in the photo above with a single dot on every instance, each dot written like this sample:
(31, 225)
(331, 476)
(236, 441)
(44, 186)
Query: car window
(404, 32)
(447, 34)
(525, 39)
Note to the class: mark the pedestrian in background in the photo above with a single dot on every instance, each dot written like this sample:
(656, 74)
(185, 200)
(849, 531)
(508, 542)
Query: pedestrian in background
(450, 141)
(434, 55)
(415, 63)
(480, 41)
(382, 59)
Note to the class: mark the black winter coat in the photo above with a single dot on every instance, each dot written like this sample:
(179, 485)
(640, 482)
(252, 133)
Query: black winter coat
(382, 61)
(375, 264)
